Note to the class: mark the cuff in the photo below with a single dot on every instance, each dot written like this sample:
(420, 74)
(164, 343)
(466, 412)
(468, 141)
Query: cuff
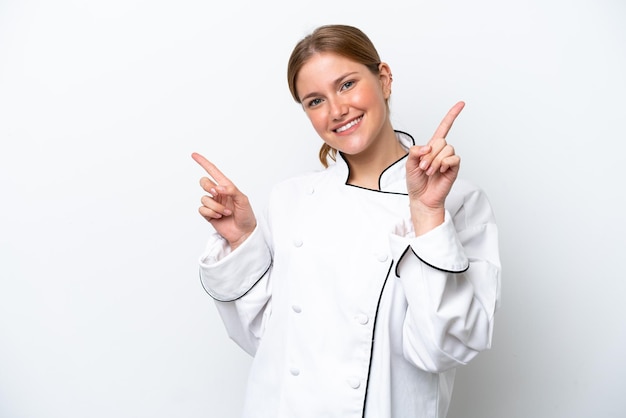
(439, 248)
(227, 275)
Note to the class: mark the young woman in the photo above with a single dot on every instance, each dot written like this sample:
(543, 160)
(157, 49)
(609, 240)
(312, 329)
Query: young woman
(368, 282)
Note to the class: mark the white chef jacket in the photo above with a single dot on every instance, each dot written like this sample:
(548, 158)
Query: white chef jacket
(346, 312)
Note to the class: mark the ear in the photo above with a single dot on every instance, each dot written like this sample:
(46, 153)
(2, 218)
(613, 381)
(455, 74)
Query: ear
(386, 79)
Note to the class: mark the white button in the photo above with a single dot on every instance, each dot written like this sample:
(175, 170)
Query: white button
(297, 242)
(296, 308)
(382, 257)
(362, 319)
(294, 371)
(311, 190)
(354, 383)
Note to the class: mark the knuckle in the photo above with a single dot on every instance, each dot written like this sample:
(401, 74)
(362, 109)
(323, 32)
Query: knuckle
(205, 183)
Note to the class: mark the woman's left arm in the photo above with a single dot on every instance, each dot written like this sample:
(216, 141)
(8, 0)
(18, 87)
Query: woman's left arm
(451, 279)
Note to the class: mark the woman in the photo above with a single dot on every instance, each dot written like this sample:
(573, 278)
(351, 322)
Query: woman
(367, 283)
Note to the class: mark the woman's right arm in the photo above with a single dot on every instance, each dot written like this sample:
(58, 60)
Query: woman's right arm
(235, 265)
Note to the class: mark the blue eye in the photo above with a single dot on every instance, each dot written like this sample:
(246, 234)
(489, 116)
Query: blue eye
(347, 85)
(314, 102)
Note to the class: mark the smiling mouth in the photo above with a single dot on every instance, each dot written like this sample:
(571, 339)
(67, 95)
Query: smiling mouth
(349, 125)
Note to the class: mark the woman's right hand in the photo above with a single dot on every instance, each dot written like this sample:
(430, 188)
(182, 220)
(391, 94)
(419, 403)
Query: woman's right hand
(225, 207)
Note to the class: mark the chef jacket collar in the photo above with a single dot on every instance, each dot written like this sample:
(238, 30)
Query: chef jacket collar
(388, 181)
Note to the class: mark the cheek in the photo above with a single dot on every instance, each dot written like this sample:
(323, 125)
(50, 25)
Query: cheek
(317, 120)
(371, 98)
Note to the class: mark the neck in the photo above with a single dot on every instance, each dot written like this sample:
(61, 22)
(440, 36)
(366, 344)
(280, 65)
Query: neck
(366, 168)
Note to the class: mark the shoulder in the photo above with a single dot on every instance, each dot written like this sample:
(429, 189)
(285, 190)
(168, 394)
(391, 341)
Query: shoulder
(461, 190)
(298, 181)
(304, 181)
(468, 203)
(291, 187)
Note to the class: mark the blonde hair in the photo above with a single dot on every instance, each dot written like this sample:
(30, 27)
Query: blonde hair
(343, 40)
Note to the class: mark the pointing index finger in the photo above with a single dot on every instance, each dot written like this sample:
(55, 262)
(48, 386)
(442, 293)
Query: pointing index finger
(211, 169)
(448, 120)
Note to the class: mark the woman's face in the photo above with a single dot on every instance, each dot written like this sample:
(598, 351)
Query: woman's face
(345, 102)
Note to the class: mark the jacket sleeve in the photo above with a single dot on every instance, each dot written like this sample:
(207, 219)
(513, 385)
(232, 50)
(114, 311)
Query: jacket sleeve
(239, 283)
(451, 279)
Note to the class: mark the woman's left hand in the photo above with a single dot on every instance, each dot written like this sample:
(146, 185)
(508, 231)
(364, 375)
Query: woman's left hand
(431, 170)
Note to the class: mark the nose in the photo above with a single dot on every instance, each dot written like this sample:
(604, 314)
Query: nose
(338, 109)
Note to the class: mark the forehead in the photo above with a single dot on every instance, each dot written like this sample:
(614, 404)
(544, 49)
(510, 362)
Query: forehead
(325, 68)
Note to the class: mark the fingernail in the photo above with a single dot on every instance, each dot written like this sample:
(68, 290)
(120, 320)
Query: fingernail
(424, 164)
(228, 212)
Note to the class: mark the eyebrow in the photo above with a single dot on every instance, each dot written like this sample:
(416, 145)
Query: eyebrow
(337, 81)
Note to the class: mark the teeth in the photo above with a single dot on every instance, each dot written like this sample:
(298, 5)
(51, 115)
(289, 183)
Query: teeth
(349, 125)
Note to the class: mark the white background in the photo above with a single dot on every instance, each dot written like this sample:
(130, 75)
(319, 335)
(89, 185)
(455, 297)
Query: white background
(102, 102)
